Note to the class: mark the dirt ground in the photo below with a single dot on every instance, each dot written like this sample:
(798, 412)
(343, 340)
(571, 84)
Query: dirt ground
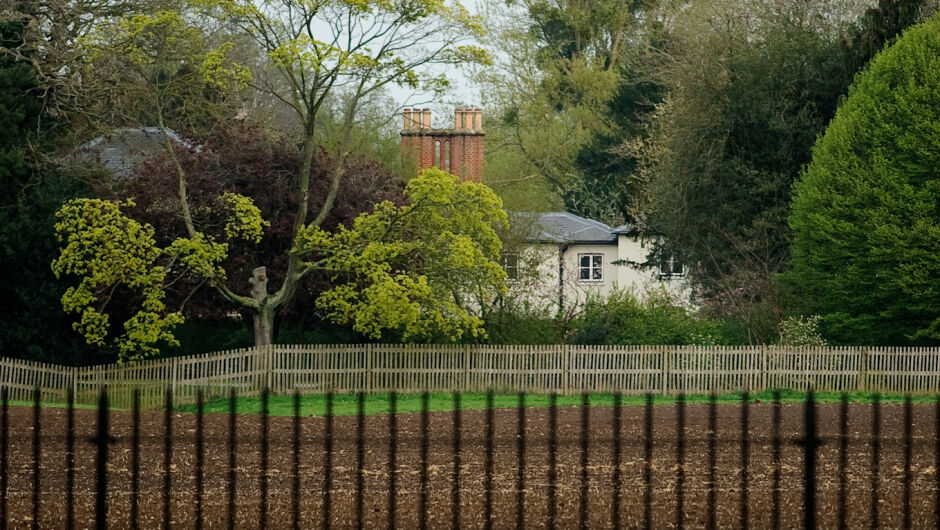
(600, 469)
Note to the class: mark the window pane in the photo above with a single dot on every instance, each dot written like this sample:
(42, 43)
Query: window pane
(585, 273)
(597, 261)
(585, 261)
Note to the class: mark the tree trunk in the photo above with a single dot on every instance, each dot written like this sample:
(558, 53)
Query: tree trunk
(263, 326)
(264, 317)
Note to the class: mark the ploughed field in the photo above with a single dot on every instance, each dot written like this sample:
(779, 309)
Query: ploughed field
(600, 489)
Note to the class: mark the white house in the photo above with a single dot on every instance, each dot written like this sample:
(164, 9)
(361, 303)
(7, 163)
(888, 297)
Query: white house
(565, 258)
(560, 258)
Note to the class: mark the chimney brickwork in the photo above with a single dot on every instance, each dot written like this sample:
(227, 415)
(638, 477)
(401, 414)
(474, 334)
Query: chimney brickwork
(458, 150)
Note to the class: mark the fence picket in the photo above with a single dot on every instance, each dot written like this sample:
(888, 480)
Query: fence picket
(559, 368)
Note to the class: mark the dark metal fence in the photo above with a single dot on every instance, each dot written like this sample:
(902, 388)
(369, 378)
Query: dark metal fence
(687, 464)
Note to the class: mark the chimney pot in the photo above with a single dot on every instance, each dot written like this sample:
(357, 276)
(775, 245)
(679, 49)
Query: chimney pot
(407, 115)
(478, 119)
(427, 118)
(458, 118)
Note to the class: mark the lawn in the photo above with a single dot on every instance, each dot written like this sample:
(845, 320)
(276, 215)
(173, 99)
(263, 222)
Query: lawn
(346, 404)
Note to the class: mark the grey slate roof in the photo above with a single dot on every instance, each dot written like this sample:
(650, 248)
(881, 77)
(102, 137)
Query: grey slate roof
(120, 150)
(564, 227)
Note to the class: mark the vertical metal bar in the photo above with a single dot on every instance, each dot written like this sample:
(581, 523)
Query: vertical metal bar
(232, 451)
(680, 460)
(875, 456)
(101, 472)
(810, 444)
(167, 458)
(745, 457)
(843, 458)
(648, 463)
(360, 458)
(263, 494)
(4, 454)
(200, 460)
(520, 457)
(775, 482)
(908, 435)
(617, 428)
(392, 457)
(936, 462)
(425, 450)
(552, 456)
(328, 464)
(455, 485)
(70, 463)
(37, 454)
(710, 522)
(488, 464)
(295, 465)
(585, 441)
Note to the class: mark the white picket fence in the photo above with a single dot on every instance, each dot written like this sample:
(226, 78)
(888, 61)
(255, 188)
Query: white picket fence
(565, 369)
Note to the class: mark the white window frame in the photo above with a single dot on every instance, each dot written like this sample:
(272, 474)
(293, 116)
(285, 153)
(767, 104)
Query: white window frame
(672, 261)
(591, 268)
(510, 261)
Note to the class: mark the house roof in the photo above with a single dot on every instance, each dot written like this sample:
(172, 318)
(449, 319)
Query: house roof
(121, 149)
(564, 227)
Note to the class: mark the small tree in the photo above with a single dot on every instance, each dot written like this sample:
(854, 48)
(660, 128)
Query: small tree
(865, 218)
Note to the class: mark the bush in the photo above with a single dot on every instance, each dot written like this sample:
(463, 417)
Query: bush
(800, 331)
(865, 216)
(657, 319)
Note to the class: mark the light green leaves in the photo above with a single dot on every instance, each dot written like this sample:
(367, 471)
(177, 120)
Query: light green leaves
(109, 252)
(112, 255)
(422, 271)
(243, 220)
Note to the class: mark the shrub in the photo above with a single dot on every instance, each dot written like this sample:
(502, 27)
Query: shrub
(865, 216)
(800, 331)
(657, 319)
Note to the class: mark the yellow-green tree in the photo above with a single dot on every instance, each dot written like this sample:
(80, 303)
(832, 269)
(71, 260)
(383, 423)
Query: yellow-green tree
(323, 53)
(426, 269)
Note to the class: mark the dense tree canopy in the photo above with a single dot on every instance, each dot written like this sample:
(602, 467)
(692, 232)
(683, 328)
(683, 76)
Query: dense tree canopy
(750, 85)
(865, 220)
(34, 187)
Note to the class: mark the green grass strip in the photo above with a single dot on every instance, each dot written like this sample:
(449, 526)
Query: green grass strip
(345, 404)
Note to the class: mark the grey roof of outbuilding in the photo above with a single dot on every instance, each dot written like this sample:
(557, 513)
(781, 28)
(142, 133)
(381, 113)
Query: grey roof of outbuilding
(564, 227)
(121, 149)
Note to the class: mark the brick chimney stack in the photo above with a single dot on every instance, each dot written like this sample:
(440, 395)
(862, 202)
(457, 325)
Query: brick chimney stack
(458, 150)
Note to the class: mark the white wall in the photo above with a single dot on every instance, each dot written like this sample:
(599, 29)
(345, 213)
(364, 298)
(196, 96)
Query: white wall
(541, 286)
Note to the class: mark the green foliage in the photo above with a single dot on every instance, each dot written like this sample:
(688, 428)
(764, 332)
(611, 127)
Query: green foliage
(749, 87)
(421, 270)
(524, 325)
(624, 319)
(108, 250)
(865, 219)
(34, 326)
(800, 331)
(158, 68)
(563, 65)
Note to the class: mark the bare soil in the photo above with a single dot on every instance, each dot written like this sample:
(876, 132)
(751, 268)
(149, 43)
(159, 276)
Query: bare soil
(52, 509)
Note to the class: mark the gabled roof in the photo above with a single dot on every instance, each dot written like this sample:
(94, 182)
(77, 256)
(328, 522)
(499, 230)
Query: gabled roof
(564, 227)
(121, 149)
